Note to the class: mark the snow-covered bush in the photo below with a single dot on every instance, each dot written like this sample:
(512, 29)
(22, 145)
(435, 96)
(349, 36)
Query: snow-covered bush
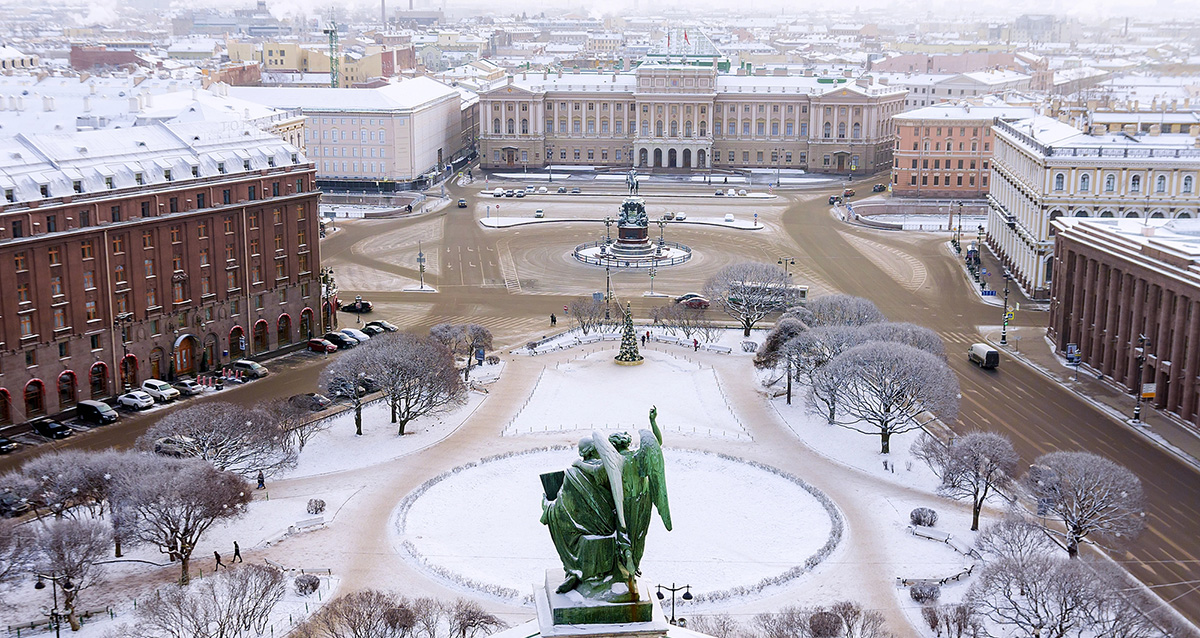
(925, 592)
(824, 624)
(306, 584)
(924, 517)
(316, 506)
(492, 360)
(749, 346)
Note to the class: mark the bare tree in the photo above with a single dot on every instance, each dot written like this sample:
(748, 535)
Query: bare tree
(430, 616)
(465, 339)
(718, 626)
(587, 313)
(71, 483)
(367, 613)
(1089, 495)
(749, 291)
(957, 620)
(1016, 538)
(70, 549)
(677, 318)
(231, 604)
(450, 335)
(295, 421)
(417, 375)
(468, 620)
(838, 310)
(888, 386)
(170, 503)
(789, 622)
(919, 337)
(230, 436)
(15, 555)
(858, 622)
(342, 379)
(1046, 596)
(970, 467)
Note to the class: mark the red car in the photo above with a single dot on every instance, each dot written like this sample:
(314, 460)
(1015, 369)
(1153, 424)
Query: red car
(695, 303)
(321, 345)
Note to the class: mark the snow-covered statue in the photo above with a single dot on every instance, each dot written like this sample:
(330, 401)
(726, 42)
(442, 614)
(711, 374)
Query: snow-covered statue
(633, 213)
(599, 510)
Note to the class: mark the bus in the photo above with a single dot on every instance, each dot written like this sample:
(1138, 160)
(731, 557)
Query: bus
(786, 295)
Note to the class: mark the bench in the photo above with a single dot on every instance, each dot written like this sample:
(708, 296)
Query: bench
(306, 524)
(316, 570)
(275, 565)
(667, 339)
(588, 339)
(712, 347)
(612, 336)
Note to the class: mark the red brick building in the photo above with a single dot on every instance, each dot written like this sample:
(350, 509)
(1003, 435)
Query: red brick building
(157, 251)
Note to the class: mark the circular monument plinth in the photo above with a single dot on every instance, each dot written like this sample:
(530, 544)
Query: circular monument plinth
(633, 362)
(633, 246)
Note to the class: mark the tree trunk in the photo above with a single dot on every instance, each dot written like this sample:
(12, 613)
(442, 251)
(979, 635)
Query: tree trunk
(358, 420)
(885, 439)
(975, 509)
(746, 327)
(69, 605)
(185, 563)
(1072, 544)
(830, 417)
(402, 424)
(394, 414)
(467, 370)
(789, 387)
(117, 542)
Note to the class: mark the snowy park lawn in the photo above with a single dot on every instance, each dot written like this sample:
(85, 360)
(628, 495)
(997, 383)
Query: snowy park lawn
(592, 392)
(338, 449)
(854, 449)
(718, 506)
(731, 339)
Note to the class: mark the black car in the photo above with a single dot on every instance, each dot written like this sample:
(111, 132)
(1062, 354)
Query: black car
(7, 445)
(310, 401)
(562, 189)
(12, 505)
(879, 188)
(51, 429)
(96, 412)
(340, 340)
(359, 305)
(462, 203)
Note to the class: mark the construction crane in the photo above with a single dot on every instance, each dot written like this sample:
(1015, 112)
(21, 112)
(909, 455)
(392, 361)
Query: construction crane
(334, 54)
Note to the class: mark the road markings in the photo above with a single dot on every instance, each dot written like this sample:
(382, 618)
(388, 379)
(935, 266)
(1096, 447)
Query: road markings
(508, 270)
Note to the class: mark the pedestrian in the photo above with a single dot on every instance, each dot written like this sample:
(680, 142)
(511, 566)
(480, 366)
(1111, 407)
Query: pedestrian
(553, 320)
(262, 481)
(237, 554)
(217, 555)
(696, 345)
(643, 341)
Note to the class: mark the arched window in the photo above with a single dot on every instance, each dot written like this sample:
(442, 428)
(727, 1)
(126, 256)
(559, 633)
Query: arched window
(1060, 181)
(1158, 214)
(1184, 215)
(828, 130)
(496, 126)
(35, 398)
(1106, 213)
(5, 407)
(1110, 183)
(1160, 184)
(1081, 213)
(856, 132)
(841, 130)
(1053, 216)
(687, 128)
(66, 390)
(703, 128)
(674, 128)
(1135, 183)
(1085, 183)
(1131, 215)
(1187, 184)
(658, 128)
(98, 380)
(524, 126)
(510, 126)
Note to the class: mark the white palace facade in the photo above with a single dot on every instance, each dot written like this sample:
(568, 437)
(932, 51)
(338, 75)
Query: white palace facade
(689, 117)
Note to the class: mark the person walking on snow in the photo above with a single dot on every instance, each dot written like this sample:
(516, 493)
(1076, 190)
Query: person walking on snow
(696, 345)
(217, 555)
(553, 320)
(262, 481)
(237, 553)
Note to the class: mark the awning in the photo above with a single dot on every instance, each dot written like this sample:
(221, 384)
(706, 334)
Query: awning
(180, 338)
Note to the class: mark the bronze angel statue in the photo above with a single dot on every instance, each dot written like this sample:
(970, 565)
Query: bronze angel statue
(599, 511)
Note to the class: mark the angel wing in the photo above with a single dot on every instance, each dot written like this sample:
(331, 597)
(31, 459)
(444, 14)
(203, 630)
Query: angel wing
(650, 466)
(613, 463)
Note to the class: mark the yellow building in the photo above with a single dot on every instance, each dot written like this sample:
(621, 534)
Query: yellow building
(287, 57)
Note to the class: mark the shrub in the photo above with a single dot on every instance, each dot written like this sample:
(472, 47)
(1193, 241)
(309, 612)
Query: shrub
(925, 592)
(924, 517)
(316, 506)
(824, 624)
(492, 359)
(306, 584)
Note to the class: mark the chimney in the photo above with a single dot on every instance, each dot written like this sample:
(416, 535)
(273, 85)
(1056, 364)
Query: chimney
(47, 103)
(1194, 130)
(135, 104)
(87, 104)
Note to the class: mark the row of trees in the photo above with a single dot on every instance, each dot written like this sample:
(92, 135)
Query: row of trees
(843, 619)
(380, 614)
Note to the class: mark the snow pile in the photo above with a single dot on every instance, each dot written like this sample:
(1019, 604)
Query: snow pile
(593, 393)
(739, 528)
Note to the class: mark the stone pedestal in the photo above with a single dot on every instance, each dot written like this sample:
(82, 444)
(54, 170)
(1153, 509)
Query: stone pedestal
(570, 614)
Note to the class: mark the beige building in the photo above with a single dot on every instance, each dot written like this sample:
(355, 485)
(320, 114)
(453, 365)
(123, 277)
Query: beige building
(289, 57)
(11, 58)
(680, 116)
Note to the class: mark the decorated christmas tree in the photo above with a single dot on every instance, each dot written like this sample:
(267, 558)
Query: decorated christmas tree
(629, 344)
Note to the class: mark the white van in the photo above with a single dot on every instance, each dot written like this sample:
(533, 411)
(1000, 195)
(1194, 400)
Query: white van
(680, 216)
(983, 355)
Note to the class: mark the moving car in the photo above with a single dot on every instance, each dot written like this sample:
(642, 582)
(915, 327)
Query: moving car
(696, 303)
(51, 429)
(310, 401)
(12, 505)
(160, 390)
(530, 189)
(539, 213)
(561, 189)
(668, 216)
(321, 345)
(680, 216)
(359, 306)
(879, 188)
(742, 192)
(135, 400)
(543, 190)
(462, 203)
(719, 193)
(849, 192)
(731, 193)
(356, 334)
(96, 412)
(340, 340)
(386, 325)
(576, 191)
(248, 368)
(834, 200)
(7, 445)
(690, 295)
(728, 217)
(187, 387)
(520, 194)
(983, 355)
(499, 192)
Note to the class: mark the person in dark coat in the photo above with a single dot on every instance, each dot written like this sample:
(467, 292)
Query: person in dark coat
(217, 555)
(262, 481)
(237, 554)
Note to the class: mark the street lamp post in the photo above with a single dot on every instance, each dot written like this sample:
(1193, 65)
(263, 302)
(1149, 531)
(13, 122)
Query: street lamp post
(56, 615)
(1137, 385)
(421, 264)
(607, 291)
(328, 291)
(1004, 326)
(787, 263)
(958, 241)
(123, 321)
(687, 595)
(653, 271)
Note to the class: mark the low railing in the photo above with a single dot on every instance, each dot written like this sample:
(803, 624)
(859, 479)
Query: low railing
(625, 262)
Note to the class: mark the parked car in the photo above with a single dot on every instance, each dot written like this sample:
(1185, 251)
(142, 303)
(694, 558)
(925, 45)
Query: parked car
(310, 401)
(729, 217)
(356, 334)
(386, 325)
(680, 216)
(96, 412)
(742, 192)
(7, 445)
(462, 203)
(51, 429)
(12, 505)
(340, 340)
(499, 192)
(509, 193)
(176, 446)
(321, 345)
(520, 194)
(135, 400)
(160, 390)
(719, 193)
(879, 188)
(530, 189)
(561, 189)
(539, 213)
(695, 303)
(849, 192)
(359, 306)
(576, 191)
(249, 368)
(369, 384)
(372, 331)
(187, 387)
(543, 190)
(365, 386)
(669, 216)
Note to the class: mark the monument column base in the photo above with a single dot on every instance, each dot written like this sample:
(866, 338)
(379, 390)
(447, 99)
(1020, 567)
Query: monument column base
(570, 614)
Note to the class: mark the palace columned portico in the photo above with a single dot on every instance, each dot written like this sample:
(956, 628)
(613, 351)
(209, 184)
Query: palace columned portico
(673, 153)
